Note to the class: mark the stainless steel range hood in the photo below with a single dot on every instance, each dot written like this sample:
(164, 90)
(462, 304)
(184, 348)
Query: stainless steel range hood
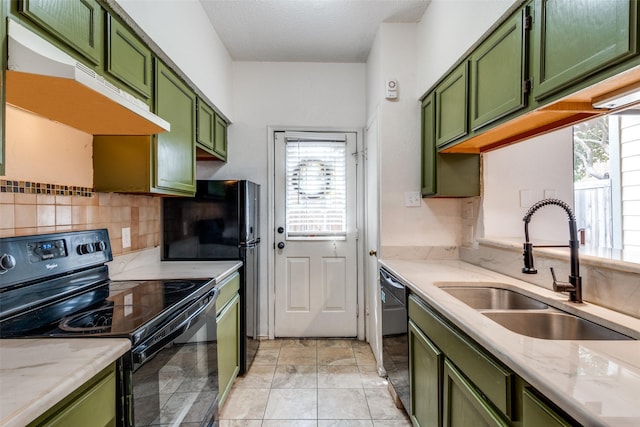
(45, 80)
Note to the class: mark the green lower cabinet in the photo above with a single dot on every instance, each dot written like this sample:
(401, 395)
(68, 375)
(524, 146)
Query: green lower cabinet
(575, 39)
(464, 406)
(535, 413)
(425, 366)
(93, 404)
(228, 333)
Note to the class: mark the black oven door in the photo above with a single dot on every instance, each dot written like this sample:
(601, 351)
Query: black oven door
(176, 382)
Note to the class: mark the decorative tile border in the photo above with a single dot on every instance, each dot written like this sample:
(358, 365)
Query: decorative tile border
(28, 187)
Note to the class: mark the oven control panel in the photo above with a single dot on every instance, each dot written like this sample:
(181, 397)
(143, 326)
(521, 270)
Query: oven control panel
(27, 258)
(50, 249)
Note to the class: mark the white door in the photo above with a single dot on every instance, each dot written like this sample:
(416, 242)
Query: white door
(372, 224)
(316, 241)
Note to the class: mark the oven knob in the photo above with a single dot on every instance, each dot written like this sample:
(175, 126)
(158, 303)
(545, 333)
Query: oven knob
(7, 262)
(100, 246)
(86, 248)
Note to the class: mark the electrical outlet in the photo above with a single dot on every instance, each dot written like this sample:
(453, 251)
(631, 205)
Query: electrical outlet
(549, 194)
(126, 237)
(412, 198)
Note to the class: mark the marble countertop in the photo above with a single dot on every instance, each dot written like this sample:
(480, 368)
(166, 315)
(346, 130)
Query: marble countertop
(146, 265)
(596, 382)
(35, 374)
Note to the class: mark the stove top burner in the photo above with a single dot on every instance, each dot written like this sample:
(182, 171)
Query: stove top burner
(174, 286)
(101, 320)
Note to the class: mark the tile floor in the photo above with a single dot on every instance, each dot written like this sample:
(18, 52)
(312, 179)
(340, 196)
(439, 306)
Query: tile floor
(312, 383)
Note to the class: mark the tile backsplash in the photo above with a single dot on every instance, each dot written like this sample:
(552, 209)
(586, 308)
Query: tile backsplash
(25, 213)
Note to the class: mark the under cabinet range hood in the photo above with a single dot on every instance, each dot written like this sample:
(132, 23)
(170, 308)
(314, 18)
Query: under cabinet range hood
(47, 81)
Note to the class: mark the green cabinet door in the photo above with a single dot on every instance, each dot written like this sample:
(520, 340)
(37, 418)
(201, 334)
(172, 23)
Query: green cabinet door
(128, 59)
(451, 99)
(228, 332)
(206, 121)
(220, 140)
(575, 39)
(497, 74)
(445, 175)
(3, 64)
(537, 413)
(94, 401)
(78, 23)
(175, 150)
(425, 367)
(428, 147)
(464, 406)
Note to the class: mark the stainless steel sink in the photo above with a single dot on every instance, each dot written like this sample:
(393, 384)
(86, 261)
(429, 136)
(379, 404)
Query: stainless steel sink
(552, 325)
(488, 298)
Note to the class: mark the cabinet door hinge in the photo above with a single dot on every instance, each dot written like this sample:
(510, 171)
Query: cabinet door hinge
(526, 86)
(528, 22)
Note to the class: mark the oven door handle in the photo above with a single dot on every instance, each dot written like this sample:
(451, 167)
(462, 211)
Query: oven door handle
(158, 341)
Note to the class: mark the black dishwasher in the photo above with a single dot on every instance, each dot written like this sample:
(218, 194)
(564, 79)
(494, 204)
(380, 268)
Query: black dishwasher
(395, 347)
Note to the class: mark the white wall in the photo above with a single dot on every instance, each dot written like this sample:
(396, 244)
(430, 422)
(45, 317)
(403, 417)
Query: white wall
(435, 222)
(278, 94)
(182, 30)
(538, 164)
(447, 30)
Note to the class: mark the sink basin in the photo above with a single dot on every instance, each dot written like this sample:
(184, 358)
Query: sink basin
(486, 298)
(552, 325)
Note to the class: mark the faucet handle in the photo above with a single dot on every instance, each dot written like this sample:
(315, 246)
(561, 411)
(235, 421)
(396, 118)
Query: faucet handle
(559, 286)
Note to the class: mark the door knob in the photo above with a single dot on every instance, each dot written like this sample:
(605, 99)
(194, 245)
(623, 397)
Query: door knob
(281, 245)
(373, 252)
(280, 230)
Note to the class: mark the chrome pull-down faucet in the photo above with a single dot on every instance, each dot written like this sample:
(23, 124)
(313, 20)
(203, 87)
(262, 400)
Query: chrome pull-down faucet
(574, 285)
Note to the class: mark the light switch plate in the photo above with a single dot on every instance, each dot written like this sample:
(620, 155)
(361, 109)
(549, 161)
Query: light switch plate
(126, 237)
(525, 198)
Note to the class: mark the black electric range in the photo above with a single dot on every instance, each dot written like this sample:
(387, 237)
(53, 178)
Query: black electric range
(57, 285)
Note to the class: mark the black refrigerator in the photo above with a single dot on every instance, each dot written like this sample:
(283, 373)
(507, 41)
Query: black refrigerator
(222, 222)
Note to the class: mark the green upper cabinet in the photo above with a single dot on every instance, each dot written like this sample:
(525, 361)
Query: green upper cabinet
(175, 150)
(497, 75)
(451, 99)
(428, 147)
(78, 23)
(128, 59)
(575, 39)
(445, 175)
(211, 133)
(220, 140)
(206, 123)
(3, 64)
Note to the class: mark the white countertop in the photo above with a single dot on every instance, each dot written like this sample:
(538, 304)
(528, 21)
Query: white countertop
(35, 374)
(596, 382)
(146, 265)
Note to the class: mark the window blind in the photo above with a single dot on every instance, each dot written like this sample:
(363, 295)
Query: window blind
(316, 193)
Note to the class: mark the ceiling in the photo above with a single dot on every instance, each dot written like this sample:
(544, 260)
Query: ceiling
(305, 30)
